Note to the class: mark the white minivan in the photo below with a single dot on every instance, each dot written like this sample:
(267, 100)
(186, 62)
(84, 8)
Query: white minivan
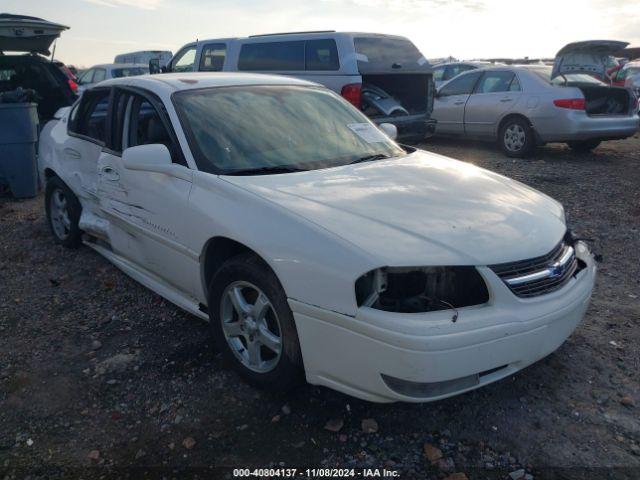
(385, 76)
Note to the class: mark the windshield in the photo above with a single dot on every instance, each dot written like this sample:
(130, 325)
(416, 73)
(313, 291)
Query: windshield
(274, 129)
(129, 71)
(567, 79)
(383, 54)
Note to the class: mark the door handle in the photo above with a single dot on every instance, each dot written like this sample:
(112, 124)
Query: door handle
(110, 173)
(503, 100)
(458, 103)
(72, 153)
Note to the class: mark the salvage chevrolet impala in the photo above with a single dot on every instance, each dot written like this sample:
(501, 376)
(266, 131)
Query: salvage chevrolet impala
(315, 245)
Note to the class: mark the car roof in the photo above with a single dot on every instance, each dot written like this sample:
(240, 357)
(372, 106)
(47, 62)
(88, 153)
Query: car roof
(118, 65)
(170, 82)
(272, 37)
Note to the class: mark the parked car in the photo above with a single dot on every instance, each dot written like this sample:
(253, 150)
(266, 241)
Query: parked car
(313, 243)
(30, 38)
(525, 106)
(99, 73)
(629, 76)
(444, 72)
(384, 76)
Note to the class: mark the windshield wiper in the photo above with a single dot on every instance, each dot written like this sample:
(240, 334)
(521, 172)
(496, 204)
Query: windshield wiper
(370, 158)
(268, 170)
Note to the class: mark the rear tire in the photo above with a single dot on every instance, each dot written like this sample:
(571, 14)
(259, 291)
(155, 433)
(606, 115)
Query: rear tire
(253, 325)
(63, 213)
(584, 145)
(516, 138)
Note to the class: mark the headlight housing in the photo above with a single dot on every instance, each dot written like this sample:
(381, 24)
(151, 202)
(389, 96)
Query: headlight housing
(421, 289)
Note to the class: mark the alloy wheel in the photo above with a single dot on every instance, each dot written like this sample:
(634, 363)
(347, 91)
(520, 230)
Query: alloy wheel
(514, 137)
(251, 326)
(59, 213)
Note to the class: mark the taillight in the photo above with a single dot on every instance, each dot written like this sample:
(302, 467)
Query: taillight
(73, 85)
(353, 94)
(571, 103)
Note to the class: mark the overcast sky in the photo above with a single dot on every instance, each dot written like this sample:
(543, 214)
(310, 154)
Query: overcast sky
(100, 29)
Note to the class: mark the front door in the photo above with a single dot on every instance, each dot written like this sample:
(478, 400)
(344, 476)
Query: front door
(495, 95)
(148, 210)
(448, 107)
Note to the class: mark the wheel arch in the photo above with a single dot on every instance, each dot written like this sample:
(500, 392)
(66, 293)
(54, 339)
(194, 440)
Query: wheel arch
(512, 115)
(218, 250)
(49, 173)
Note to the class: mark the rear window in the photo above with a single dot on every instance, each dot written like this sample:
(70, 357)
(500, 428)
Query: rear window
(272, 56)
(567, 79)
(129, 72)
(377, 54)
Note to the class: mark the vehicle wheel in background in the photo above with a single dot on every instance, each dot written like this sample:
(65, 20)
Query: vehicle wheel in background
(584, 145)
(516, 137)
(253, 324)
(63, 213)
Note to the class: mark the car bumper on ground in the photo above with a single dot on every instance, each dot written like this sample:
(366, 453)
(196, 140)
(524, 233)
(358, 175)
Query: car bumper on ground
(576, 126)
(410, 126)
(385, 357)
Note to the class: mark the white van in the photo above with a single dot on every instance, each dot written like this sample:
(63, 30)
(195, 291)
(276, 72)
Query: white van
(145, 56)
(385, 76)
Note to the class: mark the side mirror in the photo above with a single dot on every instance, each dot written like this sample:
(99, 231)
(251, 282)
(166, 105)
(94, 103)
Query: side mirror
(389, 129)
(165, 69)
(150, 158)
(154, 66)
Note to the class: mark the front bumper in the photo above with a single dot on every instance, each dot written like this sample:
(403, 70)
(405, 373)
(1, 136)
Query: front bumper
(385, 357)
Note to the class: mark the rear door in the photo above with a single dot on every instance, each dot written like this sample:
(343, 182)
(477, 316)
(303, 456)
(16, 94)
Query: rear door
(87, 134)
(448, 107)
(495, 94)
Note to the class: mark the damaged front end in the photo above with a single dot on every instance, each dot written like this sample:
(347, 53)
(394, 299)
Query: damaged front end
(421, 289)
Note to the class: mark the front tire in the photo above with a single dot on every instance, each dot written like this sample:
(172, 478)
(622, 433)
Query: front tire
(584, 145)
(516, 138)
(253, 325)
(63, 213)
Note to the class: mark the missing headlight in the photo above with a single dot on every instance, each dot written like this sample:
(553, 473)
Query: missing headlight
(421, 289)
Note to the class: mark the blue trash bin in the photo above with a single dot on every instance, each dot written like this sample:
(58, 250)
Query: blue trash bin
(18, 138)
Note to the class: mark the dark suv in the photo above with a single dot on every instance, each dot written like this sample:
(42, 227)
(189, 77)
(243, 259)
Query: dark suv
(28, 69)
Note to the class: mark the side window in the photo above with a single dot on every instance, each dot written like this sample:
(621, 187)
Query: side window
(462, 85)
(515, 85)
(99, 75)
(87, 77)
(212, 57)
(272, 56)
(321, 55)
(146, 127)
(90, 117)
(184, 60)
(495, 82)
(438, 73)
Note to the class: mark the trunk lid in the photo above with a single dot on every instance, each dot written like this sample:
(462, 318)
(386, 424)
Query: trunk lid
(591, 56)
(20, 33)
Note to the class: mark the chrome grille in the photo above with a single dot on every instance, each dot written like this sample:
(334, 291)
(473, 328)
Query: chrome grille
(540, 275)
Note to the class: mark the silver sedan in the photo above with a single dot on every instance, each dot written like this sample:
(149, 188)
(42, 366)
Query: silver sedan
(521, 107)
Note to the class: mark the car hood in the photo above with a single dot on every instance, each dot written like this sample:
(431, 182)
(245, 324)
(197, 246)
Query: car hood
(586, 57)
(420, 209)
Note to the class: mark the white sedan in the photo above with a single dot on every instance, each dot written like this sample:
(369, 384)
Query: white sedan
(317, 247)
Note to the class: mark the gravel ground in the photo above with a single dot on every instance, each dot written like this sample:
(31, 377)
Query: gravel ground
(101, 377)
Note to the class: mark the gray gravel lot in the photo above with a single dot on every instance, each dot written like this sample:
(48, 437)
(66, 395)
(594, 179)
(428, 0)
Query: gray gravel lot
(97, 371)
